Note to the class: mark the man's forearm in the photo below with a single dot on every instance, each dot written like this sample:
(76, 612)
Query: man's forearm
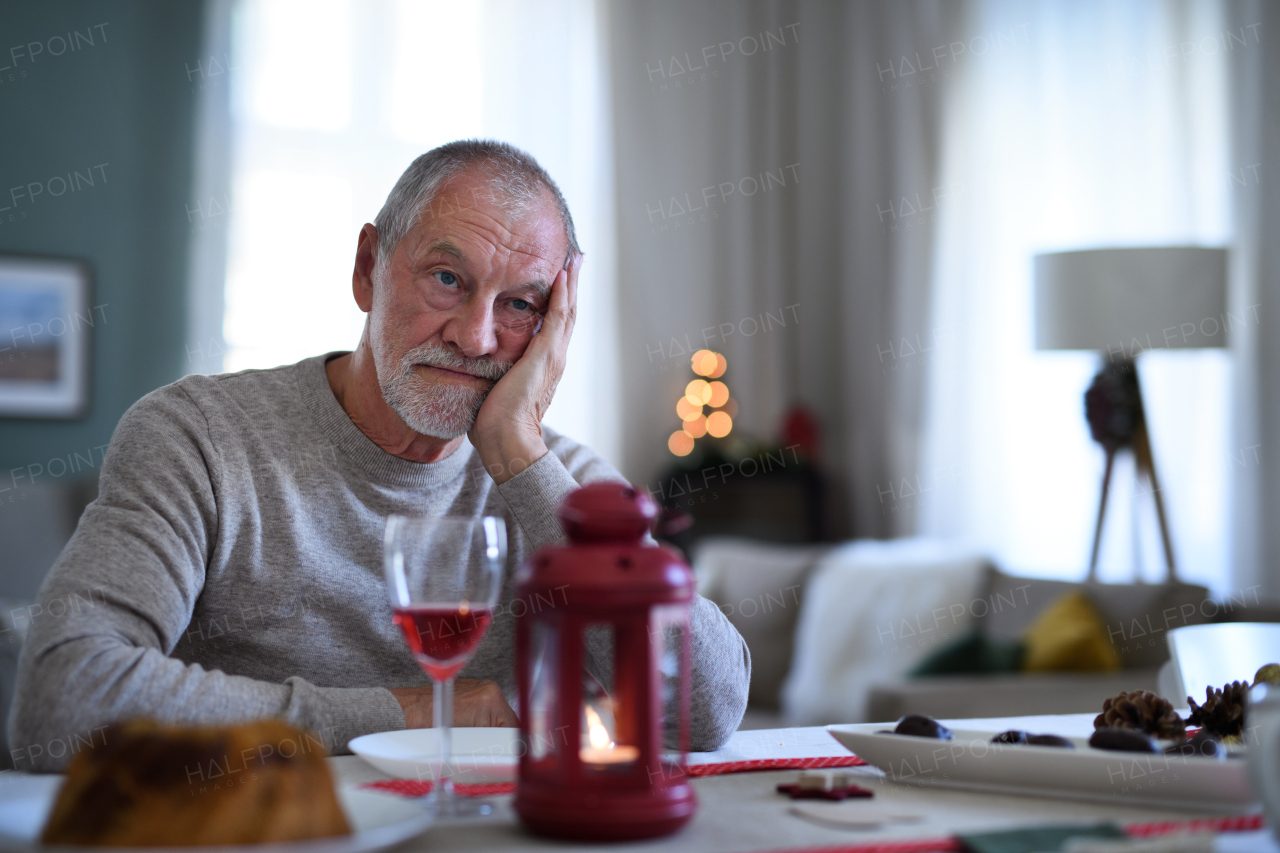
(81, 685)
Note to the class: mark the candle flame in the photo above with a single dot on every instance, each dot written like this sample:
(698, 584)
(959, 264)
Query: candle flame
(596, 732)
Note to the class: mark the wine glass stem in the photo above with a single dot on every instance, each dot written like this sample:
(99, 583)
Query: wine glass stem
(442, 714)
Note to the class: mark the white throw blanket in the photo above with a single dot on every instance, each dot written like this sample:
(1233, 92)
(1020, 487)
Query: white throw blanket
(872, 611)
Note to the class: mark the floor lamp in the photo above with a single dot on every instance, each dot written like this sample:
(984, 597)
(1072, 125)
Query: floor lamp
(1120, 303)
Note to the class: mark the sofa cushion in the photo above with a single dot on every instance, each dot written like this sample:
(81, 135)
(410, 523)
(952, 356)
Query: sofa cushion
(1069, 636)
(872, 611)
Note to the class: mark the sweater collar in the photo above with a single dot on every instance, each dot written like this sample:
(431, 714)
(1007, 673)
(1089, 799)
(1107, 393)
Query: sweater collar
(337, 426)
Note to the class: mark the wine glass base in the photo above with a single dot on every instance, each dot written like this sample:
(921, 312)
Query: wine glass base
(459, 808)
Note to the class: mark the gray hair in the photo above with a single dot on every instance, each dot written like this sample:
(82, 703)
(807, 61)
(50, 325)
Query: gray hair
(514, 176)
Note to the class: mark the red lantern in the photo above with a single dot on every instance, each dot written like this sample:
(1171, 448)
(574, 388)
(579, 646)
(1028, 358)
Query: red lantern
(604, 764)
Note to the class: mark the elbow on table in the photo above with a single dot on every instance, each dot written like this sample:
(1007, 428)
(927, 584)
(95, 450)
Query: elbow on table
(715, 733)
(723, 708)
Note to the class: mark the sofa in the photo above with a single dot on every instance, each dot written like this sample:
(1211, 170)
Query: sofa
(835, 631)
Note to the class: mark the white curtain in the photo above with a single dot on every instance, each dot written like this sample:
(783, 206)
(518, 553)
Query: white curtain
(710, 98)
(332, 99)
(1107, 126)
(1254, 81)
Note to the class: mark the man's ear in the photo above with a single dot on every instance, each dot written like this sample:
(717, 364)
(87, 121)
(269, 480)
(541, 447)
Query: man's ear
(366, 259)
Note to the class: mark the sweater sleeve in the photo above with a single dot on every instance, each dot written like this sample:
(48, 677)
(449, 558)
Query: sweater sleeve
(122, 592)
(721, 676)
(534, 496)
(721, 663)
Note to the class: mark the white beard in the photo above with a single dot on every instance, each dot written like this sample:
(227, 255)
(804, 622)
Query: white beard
(437, 410)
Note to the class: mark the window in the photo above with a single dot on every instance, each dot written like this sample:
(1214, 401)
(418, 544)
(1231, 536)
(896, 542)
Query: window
(332, 99)
(324, 120)
(1091, 136)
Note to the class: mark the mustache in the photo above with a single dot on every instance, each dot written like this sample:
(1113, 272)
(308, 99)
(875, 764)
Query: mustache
(436, 356)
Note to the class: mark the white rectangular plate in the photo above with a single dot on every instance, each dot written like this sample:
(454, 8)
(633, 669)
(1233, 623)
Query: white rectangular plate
(480, 755)
(972, 762)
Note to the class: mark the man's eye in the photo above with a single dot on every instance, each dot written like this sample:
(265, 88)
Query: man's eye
(520, 305)
(448, 279)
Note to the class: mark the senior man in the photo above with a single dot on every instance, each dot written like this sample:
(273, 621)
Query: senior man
(230, 568)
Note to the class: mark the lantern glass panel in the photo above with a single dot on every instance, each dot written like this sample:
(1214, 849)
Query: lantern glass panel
(607, 739)
(669, 626)
(542, 691)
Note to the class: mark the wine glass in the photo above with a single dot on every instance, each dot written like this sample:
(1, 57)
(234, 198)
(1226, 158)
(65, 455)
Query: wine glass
(443, 577)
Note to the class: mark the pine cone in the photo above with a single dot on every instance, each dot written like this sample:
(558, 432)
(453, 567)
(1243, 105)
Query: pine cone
(1142, 711)
(1222, 713)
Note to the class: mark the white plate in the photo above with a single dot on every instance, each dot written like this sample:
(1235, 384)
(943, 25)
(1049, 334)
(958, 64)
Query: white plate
(479, 754)
(971, 761)
(377, 820)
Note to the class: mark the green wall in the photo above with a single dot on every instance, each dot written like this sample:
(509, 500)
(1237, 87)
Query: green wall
(124, 102)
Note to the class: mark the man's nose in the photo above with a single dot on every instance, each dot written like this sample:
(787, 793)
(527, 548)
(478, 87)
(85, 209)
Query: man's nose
(471, 328)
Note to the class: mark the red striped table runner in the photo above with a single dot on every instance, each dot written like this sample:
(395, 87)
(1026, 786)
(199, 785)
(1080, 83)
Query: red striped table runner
(757, 764)
(419, 788)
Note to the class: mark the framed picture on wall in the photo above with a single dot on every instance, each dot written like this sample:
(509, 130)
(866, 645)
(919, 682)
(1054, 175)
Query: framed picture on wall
(46, 318)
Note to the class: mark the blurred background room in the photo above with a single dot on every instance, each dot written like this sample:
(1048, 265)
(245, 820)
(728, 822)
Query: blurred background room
(830, 317)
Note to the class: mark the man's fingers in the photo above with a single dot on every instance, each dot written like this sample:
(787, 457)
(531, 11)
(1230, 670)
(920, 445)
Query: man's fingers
(557, 310)
(564, 299)
(571, 291)
(479, 702)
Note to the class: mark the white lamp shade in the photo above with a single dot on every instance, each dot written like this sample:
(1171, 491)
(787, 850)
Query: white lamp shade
(1124, 301)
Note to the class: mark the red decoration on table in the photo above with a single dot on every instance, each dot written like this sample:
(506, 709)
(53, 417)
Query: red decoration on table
(842, 792)
(604, 766)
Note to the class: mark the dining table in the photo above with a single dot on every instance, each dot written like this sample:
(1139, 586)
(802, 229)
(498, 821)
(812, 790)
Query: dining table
(740, 809)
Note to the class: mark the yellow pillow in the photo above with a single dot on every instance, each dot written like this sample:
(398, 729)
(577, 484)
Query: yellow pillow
(1069, 636)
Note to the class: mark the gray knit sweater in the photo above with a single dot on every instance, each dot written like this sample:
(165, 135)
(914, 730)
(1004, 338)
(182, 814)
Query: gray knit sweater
(231, 569)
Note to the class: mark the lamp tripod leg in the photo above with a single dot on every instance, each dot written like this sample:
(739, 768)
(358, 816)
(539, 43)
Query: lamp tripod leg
(1102, 514)
(1146, 465)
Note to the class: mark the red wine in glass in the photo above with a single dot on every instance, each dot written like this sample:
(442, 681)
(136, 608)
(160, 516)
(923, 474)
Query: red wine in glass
(443, 638)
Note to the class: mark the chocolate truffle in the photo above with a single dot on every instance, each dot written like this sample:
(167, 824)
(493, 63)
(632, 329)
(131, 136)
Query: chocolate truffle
(1123, 740)
(918, 725)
